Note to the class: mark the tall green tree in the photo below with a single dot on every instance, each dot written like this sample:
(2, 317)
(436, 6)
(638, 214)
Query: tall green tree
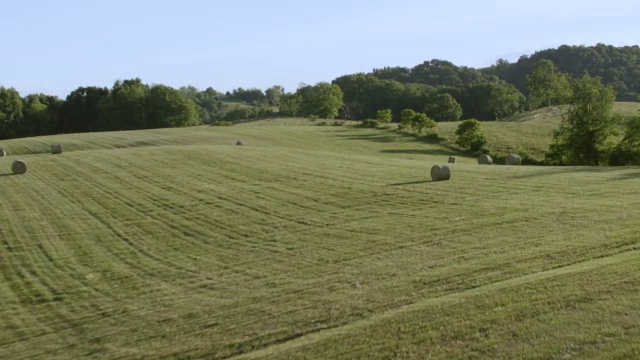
(581, 138)
(406, 117)
(209, 105)
(40, 115)
(10, 112)
(469, 135)
(290, 104)
(505, 100)
(547, 85)
(322, 99)
(627, 152)
(124, 108)
(168, 107)
(207, 102)
(443, 107)
(273, 95)
(81, 113)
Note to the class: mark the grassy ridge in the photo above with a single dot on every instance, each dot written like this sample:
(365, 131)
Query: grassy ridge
(530, 132)
(317, 242)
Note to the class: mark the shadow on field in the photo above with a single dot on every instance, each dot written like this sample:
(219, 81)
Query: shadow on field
(411, 183)
(634, 175)
(388, 136)
(419, 152)
(8, 174)
(371, 137)
(557, 170)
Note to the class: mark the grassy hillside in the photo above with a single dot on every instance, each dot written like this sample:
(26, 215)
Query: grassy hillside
(531, 131)
(309, 242)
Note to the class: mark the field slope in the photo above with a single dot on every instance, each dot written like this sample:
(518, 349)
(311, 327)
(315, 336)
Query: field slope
(310, 242)
(530, 132)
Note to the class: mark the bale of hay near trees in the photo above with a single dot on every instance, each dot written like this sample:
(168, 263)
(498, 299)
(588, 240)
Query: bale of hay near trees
(512, 159)
(3, 153)
(240, 143)
(19, 167)
(56, 149)
(440, 172)
(485, 159)
(452, 159)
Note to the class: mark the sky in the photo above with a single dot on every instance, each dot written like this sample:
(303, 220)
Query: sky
(54, 47)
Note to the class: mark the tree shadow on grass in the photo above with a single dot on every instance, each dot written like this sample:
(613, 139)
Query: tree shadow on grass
(371, 137)
(420, 152)
(561, 170)
(390, 136)
(8, 174)
(634, 175)
(411, 183)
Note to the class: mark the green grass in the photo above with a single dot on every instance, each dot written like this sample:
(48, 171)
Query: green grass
(310, 242)
(232, 104)
(530, 132)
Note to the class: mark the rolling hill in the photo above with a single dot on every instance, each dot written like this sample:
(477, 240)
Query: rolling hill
(530, 132)
(309, 242)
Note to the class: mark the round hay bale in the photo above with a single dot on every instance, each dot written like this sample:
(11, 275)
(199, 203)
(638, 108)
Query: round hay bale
(485, 159)
(513, 159)
(3, 153)
(56, 149)
(440, 172)
(240, 143)
(19, 167)
(452, 159)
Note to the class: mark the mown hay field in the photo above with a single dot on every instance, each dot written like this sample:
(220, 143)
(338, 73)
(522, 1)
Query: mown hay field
(310, 242)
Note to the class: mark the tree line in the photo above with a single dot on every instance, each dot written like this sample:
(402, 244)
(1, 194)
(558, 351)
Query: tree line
(616, 66)
(438, 89)
(589, 134)
(128, 105)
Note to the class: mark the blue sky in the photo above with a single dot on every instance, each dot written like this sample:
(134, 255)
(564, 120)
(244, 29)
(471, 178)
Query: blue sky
(56, 46)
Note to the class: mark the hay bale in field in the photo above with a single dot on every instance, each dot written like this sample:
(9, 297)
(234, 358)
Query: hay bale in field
(56, 149)
(3, 153)
(19, 167)
(512, 159)
(440, 172)
(240, 143)
(485, 159)
(452, 159)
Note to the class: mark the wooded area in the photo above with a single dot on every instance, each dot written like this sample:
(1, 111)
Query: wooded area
(437, 88)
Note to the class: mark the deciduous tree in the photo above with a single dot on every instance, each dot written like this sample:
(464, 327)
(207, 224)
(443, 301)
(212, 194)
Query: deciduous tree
(505, 100)
(10, 112)
(322, 99)
(80, 112)
(384, 116)
(469, 135)
(40, 115)
(582, 136)
(547, 85)
(168, 107)
(443, 107)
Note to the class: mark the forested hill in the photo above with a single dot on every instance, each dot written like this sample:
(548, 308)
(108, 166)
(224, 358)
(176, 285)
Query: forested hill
(438, 88)
(618, 66)
(495, 92)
